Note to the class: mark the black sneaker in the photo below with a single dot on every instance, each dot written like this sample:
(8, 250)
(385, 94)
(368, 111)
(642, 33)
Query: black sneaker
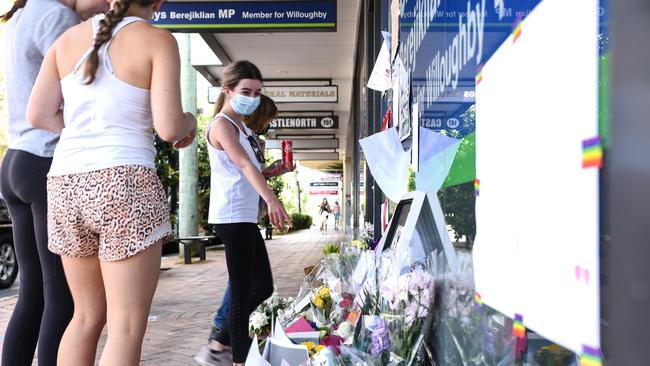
(214, 334)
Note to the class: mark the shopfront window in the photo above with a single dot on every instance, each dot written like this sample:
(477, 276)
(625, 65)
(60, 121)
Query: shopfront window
(447, 49)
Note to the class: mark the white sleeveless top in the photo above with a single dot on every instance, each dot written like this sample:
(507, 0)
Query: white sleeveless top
(107, 123)
(232, 197)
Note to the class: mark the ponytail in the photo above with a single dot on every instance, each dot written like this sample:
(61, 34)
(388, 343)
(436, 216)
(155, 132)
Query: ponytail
(106, 25)
(221, 100)
(17, 5)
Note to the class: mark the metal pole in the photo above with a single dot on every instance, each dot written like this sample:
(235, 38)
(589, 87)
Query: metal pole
(626, 287)
(298, 190)
(188, 158)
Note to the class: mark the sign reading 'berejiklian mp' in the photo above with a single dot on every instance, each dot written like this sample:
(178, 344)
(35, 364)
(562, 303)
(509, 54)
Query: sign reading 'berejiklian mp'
(242, 16)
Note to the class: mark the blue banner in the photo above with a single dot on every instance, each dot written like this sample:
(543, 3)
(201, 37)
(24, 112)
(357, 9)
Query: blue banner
(318, 15)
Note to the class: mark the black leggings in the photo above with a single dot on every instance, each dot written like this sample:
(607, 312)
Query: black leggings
(251, 282)
(44, 306)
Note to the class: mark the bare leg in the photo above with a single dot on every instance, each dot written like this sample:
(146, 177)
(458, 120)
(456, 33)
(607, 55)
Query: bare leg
(79, 343)
(130, 286)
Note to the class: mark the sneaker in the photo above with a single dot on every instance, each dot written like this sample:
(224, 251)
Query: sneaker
(208, 357)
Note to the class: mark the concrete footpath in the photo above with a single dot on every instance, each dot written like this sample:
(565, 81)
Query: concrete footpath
(188, 296)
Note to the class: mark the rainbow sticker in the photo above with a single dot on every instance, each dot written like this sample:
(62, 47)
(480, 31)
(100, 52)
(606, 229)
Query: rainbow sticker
(592, 153)
(518, 329)
(590, 357)
(478, 301)
(479, 75)
(477, 187)
(516, 29)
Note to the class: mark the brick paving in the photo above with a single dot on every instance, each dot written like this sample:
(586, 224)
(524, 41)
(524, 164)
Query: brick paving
(188, 296)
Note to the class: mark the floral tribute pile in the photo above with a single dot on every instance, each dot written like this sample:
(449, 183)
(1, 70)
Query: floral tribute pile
(363, 306)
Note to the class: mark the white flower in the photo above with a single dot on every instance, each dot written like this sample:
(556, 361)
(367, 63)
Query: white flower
(345, 331)
(258, 321)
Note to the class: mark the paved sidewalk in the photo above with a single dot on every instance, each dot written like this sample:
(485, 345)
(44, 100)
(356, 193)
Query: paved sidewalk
(188, 296)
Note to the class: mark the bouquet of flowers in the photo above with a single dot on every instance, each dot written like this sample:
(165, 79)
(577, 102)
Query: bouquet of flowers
(313, 348)
(468, 334)
(367, 234)
(409, 301)
(374, 338)
(274, 307)
(321, 304)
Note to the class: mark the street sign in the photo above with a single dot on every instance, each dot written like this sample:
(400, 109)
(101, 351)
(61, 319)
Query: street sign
(324, 184)
(303, 93)
(305, 123)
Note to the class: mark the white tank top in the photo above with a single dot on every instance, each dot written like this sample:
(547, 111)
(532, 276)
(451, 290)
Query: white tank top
(232, 197)
(107, 123)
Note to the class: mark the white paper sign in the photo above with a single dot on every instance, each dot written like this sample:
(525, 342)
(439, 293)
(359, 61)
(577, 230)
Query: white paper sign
(380, 78)
(537, 246)
(388, 162)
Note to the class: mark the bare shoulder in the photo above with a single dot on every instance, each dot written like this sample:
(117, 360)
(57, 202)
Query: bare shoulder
(156, 39)
(77, 35)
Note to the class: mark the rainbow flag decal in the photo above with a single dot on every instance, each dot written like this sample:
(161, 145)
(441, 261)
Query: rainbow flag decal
(516, 29)
(592, 153)
(477, 187)
(478, 301)
(590, 357)
(518, 329)
(479, 75)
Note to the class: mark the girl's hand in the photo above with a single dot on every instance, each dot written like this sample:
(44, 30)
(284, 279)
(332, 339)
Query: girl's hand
(277, 214)
(187, 140)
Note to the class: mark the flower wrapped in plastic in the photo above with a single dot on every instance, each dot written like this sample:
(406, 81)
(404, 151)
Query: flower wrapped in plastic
(367, 234)
(321, 304)
(319, 276)
(466, 333)
(374, 338)
(409, 301)
(355, 357)
(273, 307)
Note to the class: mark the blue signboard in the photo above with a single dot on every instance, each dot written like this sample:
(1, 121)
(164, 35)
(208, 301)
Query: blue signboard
(238, 16)
(442, 45)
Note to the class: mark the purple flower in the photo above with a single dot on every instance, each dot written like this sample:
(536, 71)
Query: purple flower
(373, 243)
(379, 334)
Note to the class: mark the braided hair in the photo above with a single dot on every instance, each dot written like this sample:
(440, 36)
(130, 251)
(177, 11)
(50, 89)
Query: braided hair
(17, 5)
(106, 26)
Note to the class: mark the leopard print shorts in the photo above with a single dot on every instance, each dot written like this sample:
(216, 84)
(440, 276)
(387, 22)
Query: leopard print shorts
(111, 213)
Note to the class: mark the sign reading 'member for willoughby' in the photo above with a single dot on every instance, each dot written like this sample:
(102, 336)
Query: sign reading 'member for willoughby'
(317, 15)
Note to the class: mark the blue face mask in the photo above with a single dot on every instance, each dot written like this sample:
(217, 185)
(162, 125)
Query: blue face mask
(244, 105)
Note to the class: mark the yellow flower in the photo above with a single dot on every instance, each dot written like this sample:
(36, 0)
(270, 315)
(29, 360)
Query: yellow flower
(324, 292)
(310, 345)
(319, 348)
(319, 302)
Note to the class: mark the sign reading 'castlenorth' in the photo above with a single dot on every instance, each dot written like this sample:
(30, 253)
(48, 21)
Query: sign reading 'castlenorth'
(317, 15)
(305, 122)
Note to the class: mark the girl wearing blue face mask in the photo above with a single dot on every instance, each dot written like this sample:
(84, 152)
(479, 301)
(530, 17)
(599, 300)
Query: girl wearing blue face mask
(236, 184)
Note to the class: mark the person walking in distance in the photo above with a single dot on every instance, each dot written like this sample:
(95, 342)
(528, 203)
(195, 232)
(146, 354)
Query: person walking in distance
(336, 210)
(324, 212)
(237, 183)
(117, 77)
(44, 305)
